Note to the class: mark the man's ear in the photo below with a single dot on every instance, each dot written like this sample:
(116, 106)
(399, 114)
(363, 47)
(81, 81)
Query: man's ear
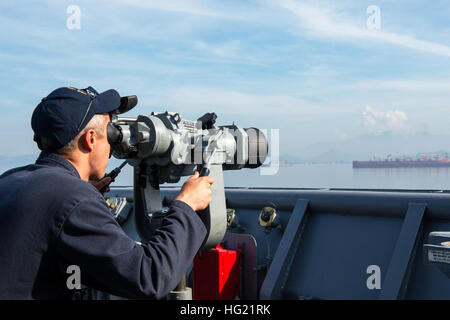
(88, 139)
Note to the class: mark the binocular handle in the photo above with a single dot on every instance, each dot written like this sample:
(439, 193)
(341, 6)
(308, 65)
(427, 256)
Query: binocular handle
(204, 172)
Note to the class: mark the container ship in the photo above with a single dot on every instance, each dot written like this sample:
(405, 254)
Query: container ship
(405, 162)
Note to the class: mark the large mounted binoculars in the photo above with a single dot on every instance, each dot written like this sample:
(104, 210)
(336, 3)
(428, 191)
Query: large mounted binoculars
(163, 147)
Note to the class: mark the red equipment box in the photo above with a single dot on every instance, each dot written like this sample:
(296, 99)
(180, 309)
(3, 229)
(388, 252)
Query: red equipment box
(217, 274)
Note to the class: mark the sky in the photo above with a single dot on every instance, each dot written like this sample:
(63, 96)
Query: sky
(319, 71)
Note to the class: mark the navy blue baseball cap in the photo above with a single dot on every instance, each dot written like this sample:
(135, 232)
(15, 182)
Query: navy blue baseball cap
(66, 111)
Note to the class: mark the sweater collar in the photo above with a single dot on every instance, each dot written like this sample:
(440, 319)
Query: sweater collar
(52, 159)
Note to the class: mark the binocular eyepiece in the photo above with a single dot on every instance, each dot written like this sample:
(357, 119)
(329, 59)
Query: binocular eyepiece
(126, 104)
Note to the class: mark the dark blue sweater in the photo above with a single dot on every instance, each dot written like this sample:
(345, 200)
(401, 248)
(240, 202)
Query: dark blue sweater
(50, 219)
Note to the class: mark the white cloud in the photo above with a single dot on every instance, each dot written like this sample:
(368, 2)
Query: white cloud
(326, 23)
(191, 7)
(379, 121)
(434, 86)
(224, 101)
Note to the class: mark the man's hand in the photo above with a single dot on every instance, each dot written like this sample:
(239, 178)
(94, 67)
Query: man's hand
(99, 184)
(196, 192)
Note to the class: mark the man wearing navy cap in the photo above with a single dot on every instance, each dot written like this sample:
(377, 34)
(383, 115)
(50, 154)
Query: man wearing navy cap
(51, 217)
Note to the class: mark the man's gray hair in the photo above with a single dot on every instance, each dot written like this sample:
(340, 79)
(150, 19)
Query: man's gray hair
(96, 123)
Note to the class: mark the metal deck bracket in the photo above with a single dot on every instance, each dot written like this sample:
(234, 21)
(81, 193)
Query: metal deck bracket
(276, 276)
(397, 276)
(249, 282)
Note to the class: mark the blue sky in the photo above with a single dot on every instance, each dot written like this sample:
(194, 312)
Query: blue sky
(309, 68)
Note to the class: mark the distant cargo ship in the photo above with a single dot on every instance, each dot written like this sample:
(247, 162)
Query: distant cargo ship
(405, 162)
